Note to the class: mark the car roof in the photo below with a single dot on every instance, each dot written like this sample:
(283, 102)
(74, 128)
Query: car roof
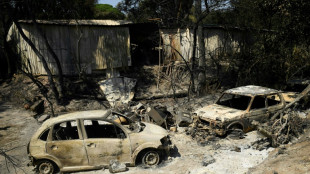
(77, 115)
(251, 90)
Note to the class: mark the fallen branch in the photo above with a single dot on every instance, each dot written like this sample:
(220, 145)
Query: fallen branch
(10, 160)
(300, 96)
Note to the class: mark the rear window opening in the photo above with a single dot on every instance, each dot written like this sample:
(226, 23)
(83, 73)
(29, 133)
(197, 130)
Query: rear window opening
(65, 131)
(44, 135)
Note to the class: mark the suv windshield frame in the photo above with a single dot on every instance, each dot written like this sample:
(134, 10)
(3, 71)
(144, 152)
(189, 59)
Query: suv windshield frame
(234, 101)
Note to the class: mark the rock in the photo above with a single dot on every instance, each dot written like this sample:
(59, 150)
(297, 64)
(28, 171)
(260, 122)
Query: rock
(43, 118)
(236, 149)
(207, 159)
(116, 166)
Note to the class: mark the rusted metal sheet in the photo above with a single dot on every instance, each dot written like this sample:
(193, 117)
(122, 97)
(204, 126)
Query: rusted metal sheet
(158, 116)
(100, 47)
(217, 41)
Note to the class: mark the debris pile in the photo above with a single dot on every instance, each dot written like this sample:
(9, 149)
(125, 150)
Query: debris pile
(285, 129)
(118, 90)
(198, 131)
(261, 144)
(155, 114)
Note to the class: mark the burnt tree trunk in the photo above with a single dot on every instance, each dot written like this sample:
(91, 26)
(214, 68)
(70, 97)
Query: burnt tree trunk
(194, 57)
(55, 57)
(201, 86)
(52, 52)
(198, 31)
(42, 59)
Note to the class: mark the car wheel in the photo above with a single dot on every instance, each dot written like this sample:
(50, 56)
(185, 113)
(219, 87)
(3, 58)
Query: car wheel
(45, 167)
(150, 158)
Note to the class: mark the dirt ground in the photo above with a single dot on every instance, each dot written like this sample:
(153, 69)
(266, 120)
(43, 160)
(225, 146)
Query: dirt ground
(291, 158)
(16, 128)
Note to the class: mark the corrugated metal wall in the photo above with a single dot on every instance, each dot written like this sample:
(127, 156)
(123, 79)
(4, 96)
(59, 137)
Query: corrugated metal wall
(216, 40)
(100, 47)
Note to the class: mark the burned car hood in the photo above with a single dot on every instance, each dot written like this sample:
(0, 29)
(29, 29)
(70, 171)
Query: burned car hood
(218, 112)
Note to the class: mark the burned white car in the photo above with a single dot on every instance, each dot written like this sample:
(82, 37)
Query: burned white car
(90, 139)
(238, 107)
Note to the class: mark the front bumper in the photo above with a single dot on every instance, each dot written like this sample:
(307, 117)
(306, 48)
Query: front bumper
(214, 126)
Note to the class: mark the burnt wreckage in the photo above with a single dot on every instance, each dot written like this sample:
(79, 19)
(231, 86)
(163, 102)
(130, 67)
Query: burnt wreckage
(91, 139)
(237, 108)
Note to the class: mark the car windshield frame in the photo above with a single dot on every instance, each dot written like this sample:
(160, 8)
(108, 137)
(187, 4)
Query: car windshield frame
(234, 102)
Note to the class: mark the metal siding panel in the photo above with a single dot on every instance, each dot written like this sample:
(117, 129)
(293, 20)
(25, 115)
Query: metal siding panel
(101, 47)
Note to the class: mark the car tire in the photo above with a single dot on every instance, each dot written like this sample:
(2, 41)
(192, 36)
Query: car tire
(45, 167)
(150, 158)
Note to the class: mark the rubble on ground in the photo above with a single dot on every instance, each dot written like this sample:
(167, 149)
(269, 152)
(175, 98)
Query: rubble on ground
(155, 114)
(118, 90)
(289, 127)
(116, 167)
(207, 159)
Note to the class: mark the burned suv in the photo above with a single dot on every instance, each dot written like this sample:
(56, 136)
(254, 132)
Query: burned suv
(238, 107)
(90, 139)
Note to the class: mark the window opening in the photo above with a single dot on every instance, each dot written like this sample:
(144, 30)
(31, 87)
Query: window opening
(65, 131)
(259, 102)
(44, 135)
(102, 129)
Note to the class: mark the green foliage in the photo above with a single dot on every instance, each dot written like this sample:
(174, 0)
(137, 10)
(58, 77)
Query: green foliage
(106, 11)
(170, 13)
(280, 31)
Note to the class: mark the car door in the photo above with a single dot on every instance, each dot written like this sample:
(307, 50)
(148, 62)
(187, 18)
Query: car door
(275, 102)
(105, 141)
(258, 109)
(66, 144)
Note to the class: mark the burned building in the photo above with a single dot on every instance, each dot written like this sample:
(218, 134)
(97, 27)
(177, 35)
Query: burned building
(91, 45)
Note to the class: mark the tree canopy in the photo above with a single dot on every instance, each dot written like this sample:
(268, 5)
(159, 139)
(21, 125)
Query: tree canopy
(106, 11)
(171, 13)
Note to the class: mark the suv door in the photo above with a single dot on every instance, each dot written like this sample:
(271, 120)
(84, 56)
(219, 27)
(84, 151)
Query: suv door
(66, 144)
(105, 141)
(275, 102)
(258, 110)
